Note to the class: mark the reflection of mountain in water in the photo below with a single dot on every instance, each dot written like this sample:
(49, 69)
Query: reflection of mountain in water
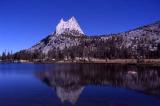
(69, 80)
(69, 95)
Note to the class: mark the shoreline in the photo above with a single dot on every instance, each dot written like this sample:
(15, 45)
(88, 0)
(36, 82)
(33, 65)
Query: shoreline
(154, 62)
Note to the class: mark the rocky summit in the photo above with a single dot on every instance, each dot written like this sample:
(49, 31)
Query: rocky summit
(66, 34)
(71, 26)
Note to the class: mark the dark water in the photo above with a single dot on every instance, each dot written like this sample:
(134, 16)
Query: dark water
(79, 85)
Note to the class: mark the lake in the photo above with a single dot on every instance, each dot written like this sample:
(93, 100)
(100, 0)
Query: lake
(79, 84)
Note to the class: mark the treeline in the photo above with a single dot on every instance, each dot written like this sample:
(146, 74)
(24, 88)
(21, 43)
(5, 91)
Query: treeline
(6, 56)
(112, 48)
(93, 47)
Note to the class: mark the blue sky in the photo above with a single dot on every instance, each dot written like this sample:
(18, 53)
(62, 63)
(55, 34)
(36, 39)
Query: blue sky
(25, 22)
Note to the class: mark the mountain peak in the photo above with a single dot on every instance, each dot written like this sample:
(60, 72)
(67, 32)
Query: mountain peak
(68, 26)
(62, 20)
(72, 19)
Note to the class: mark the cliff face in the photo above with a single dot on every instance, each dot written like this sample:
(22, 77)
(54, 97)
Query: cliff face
(69, 26)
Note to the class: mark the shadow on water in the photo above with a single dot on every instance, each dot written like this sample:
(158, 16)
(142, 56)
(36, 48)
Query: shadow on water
(69, 80)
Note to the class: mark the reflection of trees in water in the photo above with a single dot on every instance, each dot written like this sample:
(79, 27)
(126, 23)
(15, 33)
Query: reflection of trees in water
(70, 79)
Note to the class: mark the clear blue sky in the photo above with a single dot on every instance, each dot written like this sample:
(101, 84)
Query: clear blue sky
(25, 22)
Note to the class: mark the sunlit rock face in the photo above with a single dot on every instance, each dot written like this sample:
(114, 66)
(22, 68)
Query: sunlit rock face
(67, 34)
(55, 42)
(71, 26)
(145, 35)
(70, 80)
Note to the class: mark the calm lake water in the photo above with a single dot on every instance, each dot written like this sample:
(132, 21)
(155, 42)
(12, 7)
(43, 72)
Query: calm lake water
(79, 84)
